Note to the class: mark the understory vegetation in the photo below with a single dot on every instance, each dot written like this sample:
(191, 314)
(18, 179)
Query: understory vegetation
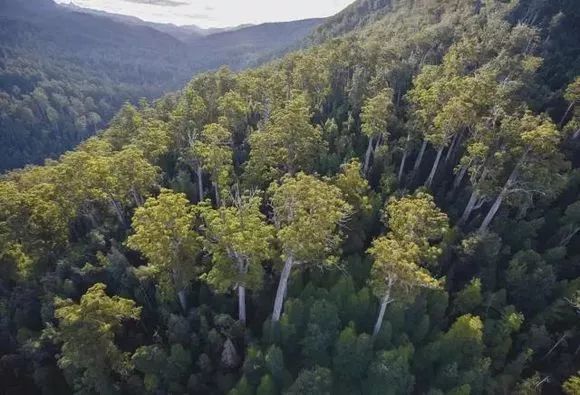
(395, 210)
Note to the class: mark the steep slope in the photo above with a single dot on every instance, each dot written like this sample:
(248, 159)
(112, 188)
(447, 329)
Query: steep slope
(250, 44)
(217, 241)
(357, 15)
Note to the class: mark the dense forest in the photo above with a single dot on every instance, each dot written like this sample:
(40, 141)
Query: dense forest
(394, 210)
(65, 73)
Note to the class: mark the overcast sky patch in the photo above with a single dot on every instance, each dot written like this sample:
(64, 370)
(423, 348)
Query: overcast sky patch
(217, 13)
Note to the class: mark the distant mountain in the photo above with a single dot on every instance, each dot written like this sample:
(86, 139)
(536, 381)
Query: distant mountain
(64, 71)
(182, 33)
(247, 45)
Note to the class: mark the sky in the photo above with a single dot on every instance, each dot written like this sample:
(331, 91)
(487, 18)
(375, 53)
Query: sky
(217, 13)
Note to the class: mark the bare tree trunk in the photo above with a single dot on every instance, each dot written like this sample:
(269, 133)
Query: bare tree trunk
(242, 303)
(429, 181)
(378, 143)
(137, 197)
(576, 134)
(498, 201)
(368, 156)
(402, 167)
(556, 345)
(182, 299)
(199, 183)
(119, 211)
(92, 219)
(469, 209)
(181, 294)
(420, 156)
(452, 147)
(570, 236)
(459, 178)
(404, 159)
(384, 303)
(282, 286)
(570, 107)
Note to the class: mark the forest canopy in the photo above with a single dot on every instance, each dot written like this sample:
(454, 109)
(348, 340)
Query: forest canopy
(394, 210)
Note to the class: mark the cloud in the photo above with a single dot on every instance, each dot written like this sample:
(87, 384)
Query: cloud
(199, 16)
(164, 3)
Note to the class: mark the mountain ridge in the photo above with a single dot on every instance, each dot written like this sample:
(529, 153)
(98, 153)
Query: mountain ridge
(46, 49)
(181, 32)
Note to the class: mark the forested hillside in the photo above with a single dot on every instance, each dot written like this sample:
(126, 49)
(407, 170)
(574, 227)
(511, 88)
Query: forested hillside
(393, 211)
(64, 74)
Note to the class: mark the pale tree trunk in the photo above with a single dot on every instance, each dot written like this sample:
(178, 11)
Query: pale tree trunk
(384, 303)
(182, 299)
(119, 211)
(569, 237)
(242, 303)
(452, 147)
(473, 200)
(420, 157)
(92, 219)
(137, 197)
(282, 287)
(576, 134)
(498, 201)
(217, 194)
(199, 183)
(556, 345)
(469, 208)
(570, 107)
(378, 143)
(492, 212)
(403, 160)
(459, 177)
(429, 181)
(368, 156)
(181, 294)
(402, 166)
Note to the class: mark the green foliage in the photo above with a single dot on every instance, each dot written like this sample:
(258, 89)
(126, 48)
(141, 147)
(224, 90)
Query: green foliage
(266, 386)
(375, 114)
(321, 330)
(164, 235)
(212, 149)
(475, 313)
(288, 143)
(316, 381)
(355, 188)
(306, 202)
(572, 386)
(469, 298)
(89, 355)
(390, 373)
(415, 226)
(530, 280)
(417, 219)
(239, 240)
(352, 355)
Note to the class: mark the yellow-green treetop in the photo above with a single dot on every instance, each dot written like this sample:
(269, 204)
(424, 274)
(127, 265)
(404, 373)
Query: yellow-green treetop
(308, 212)
(213, 150)
(288, 143)
(239, 240)
(417, 219)
(163, 233)
(87, 332)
